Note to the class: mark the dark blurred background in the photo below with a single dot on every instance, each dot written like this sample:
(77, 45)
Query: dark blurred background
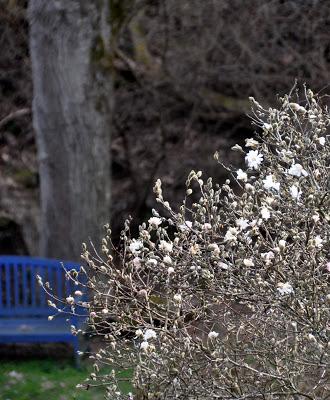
(181, 72)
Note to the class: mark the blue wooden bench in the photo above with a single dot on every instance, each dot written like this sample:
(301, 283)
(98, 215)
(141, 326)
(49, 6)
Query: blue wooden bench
(24, 308)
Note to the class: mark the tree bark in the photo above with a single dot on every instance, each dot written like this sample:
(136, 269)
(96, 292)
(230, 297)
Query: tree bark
(72, 108)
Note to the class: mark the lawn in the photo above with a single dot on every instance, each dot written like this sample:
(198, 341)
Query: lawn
(44, 380)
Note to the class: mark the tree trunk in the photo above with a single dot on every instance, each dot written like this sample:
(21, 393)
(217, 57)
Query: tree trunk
(72, 107)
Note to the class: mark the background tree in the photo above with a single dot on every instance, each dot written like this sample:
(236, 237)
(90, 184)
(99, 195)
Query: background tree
(183, 72)
(71, 69)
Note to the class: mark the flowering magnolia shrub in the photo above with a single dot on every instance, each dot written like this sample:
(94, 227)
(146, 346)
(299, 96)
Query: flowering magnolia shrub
(227, 298)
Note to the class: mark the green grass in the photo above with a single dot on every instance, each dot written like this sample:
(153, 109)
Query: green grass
(45, 380)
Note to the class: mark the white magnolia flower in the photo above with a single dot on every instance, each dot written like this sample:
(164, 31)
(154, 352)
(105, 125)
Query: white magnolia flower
(281, 244)
(213, 335)
(297, 170)
(269, 183)
(166, 246)
(316, 218)
(254, 159)
(138, 333)
(318, 242)
(269, 200)
(155, 222)
(231, 235)
(284, 288)
(136, 246)
(143, 293)
(285, 155)
(186, 226)
(170, 270)
(149, 334)
(206, 227)
(251, 143)
(70, 300)
(265, 214)
(78, 293)
(241, 175)
(249, 187)
(242, 223)
(152, 262)
(167, 260)
(322, 140)
(295, 192)
(223, 265)
(177, 298)
(137, 262)
(214, 248)
(268, 257)
(195, 249)
(144, 346)
(248, 262)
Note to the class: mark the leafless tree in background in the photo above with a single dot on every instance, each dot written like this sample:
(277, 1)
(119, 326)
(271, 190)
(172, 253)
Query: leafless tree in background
(184, 70)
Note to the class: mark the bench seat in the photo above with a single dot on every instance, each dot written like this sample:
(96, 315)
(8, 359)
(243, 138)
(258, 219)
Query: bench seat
(23, 328)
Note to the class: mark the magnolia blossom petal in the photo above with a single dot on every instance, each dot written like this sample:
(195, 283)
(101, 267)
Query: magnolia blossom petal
(265, 214)
(241, 175)
(136, 246)
(297, 170)
(269, 183)
(295, 192)
(213, 335)
(254, 159)
(284, 288)
(155, 222)
(149, 334)
(242, 223)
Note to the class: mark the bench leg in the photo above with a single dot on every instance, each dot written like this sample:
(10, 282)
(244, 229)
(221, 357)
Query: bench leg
(75, 350)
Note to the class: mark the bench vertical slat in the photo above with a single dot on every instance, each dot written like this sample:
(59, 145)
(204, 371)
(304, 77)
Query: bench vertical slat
(33, 285)
(16, 285)
(59, 280)
(25, 288)
(42, 273)
(67, 286)
(8, 284)
(50, 275)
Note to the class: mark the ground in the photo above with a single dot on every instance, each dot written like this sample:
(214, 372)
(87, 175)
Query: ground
(44, 379)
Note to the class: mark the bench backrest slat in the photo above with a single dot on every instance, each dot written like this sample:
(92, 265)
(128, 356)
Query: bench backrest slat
(20, 295)
(7, 283)
(25, 286)
(16, 282)
(59, 281)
